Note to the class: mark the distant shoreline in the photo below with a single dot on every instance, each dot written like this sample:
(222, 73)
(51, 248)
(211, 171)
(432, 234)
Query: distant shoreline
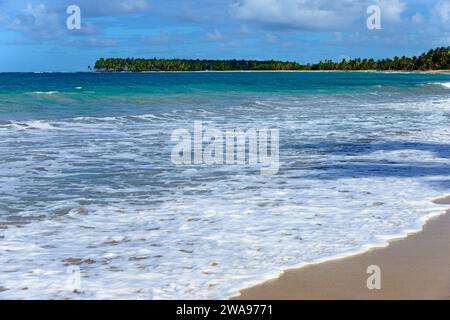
(290, 71)
(240, 71)
(432, 60)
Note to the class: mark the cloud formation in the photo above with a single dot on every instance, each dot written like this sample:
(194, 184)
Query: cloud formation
(314, 15)
(36, 22)
(442, 10)
(46, 20)
(215, 35)
(112, 7)
(303, 30)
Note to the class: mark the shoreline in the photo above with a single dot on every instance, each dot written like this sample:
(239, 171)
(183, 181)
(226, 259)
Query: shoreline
(286, 71)
(415, 266)
(243, 71)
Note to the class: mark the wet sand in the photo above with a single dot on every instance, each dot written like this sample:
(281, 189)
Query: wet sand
(415, 267)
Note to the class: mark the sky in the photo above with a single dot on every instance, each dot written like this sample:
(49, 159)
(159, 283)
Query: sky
(34, 35)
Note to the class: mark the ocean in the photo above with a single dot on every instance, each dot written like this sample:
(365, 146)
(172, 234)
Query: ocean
(88, 187)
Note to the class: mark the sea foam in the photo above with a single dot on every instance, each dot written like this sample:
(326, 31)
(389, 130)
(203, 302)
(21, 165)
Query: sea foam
(99, 193)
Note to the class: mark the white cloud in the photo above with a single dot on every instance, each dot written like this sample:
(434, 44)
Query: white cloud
(418, 18)
(216, 35)
(328, 15)
(442, 10)
(37, 22)
(391, 10)
(111, 7)
(46, 21)
(302, 14)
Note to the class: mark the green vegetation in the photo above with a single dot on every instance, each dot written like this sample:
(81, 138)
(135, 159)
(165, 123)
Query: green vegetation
(140, 65)
(437, 59)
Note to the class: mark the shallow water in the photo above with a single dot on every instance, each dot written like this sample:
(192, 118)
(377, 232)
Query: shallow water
(86, 177)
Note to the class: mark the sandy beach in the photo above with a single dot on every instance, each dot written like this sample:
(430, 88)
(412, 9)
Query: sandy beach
(415, 267)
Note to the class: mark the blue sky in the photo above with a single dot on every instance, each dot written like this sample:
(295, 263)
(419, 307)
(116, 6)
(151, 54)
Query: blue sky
(34, 37)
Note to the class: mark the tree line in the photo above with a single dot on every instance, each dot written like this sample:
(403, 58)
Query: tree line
(142, 65)
(435, 59)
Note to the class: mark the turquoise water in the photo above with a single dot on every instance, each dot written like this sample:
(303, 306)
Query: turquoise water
(86, 177)
(26, 96)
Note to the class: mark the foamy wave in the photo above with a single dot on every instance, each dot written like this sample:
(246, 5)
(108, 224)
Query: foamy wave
(443, 84)
(90, 119)
(24, 125)
(43, 92)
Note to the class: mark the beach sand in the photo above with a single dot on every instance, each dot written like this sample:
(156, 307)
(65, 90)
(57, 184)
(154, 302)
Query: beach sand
(415, 267)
